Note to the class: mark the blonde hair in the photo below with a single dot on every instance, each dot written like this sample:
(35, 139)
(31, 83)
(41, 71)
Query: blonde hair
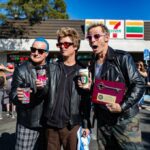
(2, 74)
(104, 28)
(72, 33)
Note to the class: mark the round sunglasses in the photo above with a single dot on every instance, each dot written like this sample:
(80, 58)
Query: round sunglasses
(95, 36)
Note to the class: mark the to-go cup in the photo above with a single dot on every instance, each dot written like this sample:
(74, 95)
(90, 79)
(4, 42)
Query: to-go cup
(26, 91)
(41, 74)
(84, 74)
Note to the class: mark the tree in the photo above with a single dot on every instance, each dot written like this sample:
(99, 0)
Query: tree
(33, 10)
(58, 10)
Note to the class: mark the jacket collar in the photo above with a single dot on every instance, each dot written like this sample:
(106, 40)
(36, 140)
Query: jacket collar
(110, 57)
(110, 54)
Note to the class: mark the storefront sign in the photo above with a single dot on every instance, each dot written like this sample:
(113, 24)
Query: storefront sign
(134, 29)
(116, 28)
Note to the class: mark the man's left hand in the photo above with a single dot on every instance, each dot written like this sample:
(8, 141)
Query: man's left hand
(114, 107)
(39, 84)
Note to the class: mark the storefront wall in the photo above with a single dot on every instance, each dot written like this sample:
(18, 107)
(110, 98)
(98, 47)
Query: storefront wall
(9, 46)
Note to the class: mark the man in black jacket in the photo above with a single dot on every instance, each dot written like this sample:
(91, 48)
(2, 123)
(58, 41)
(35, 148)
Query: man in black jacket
(118, 125)
(67, 109)
(28, 128)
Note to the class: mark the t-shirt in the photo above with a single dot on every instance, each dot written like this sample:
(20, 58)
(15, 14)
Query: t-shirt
(61, 114)
(98, 69)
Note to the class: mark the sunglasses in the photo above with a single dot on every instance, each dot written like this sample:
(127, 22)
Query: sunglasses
(65, 44)
(40, 51)
(95, 36)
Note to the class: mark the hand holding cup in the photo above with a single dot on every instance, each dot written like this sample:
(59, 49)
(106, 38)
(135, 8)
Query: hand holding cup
(85, 80)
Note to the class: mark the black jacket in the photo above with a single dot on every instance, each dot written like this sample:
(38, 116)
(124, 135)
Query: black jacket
(30, 114)
(119, 66)
(79, 106)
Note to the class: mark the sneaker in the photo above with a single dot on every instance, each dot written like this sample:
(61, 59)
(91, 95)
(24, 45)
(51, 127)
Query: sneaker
(8, 114)
(13, 116)
(1, 118)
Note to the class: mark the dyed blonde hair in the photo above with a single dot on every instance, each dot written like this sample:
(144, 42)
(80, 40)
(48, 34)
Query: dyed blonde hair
(72, 33)
(104, 28)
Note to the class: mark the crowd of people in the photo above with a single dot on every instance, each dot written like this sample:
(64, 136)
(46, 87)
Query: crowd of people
(6, 73)
(57, 109)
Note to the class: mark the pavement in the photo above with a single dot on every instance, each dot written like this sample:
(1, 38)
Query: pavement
(7, 131)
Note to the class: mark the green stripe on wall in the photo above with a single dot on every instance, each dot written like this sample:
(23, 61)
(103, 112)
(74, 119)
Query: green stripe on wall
(135, 29)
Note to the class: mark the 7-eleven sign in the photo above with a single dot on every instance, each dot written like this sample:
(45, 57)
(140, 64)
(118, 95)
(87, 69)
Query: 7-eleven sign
(116, 28)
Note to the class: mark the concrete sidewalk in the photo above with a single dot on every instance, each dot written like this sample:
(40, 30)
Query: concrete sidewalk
(7, 131)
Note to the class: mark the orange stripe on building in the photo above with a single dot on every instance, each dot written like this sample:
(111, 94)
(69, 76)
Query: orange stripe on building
(113, 22)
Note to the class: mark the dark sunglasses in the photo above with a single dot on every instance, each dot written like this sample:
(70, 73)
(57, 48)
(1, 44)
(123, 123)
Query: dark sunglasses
(40, 51)
(95, 36)
(65, 44)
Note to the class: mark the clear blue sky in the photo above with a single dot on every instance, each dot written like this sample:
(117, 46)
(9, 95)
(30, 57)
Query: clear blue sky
(109, 9)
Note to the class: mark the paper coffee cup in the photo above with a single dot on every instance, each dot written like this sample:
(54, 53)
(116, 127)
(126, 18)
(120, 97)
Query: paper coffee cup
(26, 98)
(26, 92)
(84, 74)
(41, 75)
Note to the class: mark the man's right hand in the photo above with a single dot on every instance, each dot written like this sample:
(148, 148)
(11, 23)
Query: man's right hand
(20, 94)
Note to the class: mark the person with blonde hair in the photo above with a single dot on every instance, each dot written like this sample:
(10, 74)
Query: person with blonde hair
(66, 108)
(3, 74)
(10, 107)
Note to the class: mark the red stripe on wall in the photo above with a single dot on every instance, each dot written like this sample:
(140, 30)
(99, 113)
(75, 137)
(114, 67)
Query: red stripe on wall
(135, 35)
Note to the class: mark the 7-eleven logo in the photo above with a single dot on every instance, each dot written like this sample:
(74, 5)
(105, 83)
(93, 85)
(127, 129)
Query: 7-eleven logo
(116, 28)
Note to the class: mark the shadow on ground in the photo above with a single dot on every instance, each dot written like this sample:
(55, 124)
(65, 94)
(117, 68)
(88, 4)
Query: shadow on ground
(7, 141)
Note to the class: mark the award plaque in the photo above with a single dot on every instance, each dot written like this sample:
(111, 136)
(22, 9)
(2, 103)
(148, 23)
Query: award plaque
(108, 92)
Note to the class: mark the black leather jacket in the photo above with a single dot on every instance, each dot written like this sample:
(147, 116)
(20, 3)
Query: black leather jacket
(119, 66)
(30, 114)
(79, 106)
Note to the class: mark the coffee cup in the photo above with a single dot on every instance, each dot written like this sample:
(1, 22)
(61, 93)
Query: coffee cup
(41, 74)
(26, 92)
(84, 74)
